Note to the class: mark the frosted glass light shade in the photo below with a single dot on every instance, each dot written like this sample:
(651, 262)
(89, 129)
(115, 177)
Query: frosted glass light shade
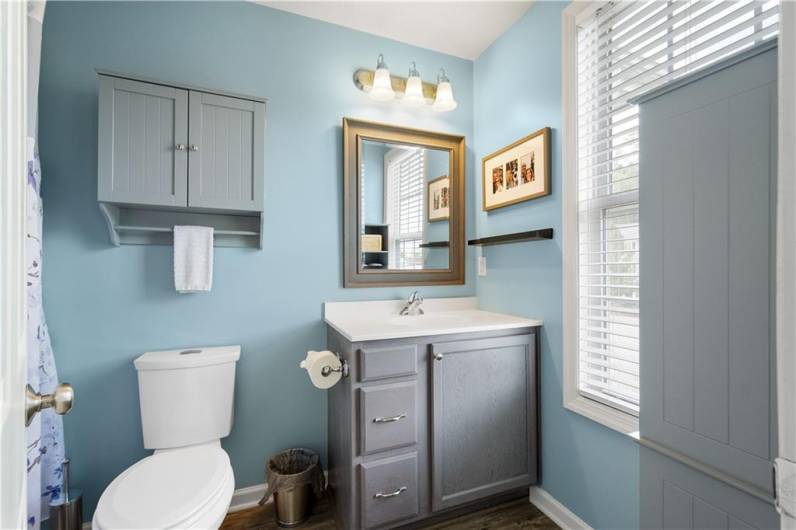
(382, 86)
(413, 97)
(444, 101)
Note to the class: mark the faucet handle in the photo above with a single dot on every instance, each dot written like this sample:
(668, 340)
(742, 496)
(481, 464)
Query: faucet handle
(415, 297)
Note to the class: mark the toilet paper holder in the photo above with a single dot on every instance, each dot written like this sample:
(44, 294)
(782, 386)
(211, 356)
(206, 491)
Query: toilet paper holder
(326, 371)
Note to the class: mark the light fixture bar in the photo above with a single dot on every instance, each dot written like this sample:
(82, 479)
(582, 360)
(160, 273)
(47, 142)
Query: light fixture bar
(363, 79)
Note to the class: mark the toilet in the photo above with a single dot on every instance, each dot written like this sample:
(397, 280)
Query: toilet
(186, 408)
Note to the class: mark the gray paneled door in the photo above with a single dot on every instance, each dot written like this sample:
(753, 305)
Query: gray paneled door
(226, 158)
(484, 431)
(708, 152)
(141, 129)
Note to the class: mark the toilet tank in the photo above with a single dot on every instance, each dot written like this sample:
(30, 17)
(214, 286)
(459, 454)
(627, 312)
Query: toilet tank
(186, 395)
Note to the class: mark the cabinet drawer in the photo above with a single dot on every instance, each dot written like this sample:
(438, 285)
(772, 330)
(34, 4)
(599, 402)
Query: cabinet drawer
(387, 416)
(380, 362)
(388, 490)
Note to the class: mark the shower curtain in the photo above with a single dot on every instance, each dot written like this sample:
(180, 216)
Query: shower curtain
(45, 433)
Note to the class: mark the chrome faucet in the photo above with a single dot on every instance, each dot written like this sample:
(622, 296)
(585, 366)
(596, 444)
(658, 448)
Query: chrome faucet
(412, 306)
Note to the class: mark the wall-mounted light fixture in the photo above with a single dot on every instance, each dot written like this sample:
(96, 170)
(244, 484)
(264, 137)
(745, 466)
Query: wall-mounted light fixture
(412, 91)
(444, 100)
(382, 86)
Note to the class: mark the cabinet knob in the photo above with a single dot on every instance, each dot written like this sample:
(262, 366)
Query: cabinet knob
(194, 147)
(438, 356)
(180, 147)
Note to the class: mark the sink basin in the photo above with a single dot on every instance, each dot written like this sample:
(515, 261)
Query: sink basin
(432, 320)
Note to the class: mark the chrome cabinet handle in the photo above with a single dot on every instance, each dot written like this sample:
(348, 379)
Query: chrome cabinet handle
(395, 493)
(194, 147)
(438, 356)
(180, 147)
(60, 401)
(390, 419)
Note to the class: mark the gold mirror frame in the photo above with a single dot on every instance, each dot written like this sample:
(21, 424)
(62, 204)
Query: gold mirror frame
(354, 133)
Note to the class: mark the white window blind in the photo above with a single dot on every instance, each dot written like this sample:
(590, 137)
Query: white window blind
(405, 176)
(624, 50)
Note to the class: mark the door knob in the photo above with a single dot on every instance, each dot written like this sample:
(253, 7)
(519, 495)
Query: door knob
(60, 401)
(438, 356)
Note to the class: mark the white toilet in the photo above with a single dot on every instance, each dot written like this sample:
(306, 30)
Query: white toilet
(186, 408)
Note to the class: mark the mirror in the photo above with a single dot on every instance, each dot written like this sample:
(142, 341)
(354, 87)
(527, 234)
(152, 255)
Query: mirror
(404, 206)
(404, 203)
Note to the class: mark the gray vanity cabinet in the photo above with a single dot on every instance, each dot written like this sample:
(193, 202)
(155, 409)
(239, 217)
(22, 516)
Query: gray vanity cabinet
(162, 145)
(226, 159)
(424, 425)
(139, 126)
(483, 418)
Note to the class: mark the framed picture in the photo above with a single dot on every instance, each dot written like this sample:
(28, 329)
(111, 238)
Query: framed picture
(439, 198)
(518, 172)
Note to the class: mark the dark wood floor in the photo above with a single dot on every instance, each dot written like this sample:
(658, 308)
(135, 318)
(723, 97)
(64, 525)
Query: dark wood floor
(517, 514)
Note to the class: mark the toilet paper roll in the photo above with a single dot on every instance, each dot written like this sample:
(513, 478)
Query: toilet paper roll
(316, 362)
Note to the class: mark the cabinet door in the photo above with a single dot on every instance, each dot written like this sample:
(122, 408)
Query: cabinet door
(226, 152)
(141, 126)
(707, 223)
(484, 418)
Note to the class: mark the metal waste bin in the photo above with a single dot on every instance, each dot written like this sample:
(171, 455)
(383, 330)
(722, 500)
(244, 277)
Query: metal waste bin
(292, 506)
(295, 478)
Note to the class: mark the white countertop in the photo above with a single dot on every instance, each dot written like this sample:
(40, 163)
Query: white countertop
(361, 321)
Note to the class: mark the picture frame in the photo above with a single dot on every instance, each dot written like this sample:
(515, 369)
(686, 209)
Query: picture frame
(439, 196)
(518, 172)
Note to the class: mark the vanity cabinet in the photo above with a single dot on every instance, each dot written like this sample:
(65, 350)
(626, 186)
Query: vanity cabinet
(483, 418)
(167, 146)
(424, 425)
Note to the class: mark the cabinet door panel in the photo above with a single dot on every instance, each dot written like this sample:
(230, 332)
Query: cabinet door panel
(484, 418)
(226, 157)
(140, 125)
(675, 496)
(707, 191)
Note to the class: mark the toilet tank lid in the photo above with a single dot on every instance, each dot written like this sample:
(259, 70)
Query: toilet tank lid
(187, 358)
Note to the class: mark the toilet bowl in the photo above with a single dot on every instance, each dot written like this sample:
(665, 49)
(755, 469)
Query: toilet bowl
(186, 399)
(189, 487)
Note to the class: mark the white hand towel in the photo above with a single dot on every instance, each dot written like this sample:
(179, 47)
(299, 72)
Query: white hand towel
(193, 258)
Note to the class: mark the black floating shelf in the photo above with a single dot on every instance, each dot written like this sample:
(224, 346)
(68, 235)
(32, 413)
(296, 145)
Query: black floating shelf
(531, 235)
(435, 244)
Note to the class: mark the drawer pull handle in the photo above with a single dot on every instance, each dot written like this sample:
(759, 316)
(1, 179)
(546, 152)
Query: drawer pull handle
(395, 493)
(390, 419)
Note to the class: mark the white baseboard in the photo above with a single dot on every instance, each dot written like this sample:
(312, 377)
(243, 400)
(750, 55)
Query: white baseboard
(248, 497)
(556, 511)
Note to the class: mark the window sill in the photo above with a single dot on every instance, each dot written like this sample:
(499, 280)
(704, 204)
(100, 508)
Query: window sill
(610, 417)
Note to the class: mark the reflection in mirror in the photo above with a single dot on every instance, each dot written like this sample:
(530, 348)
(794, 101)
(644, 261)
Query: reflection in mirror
(405, 203)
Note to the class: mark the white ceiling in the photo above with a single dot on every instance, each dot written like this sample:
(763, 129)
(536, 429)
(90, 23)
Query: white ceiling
(460, 28)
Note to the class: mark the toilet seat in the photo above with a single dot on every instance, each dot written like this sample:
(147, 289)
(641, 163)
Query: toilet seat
(187, 487)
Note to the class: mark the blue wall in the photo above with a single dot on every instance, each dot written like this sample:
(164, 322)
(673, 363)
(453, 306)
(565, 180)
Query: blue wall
(107, 305)
(589, 468)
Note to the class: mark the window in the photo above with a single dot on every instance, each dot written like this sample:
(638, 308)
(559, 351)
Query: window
(405, 170)
(614, 52)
